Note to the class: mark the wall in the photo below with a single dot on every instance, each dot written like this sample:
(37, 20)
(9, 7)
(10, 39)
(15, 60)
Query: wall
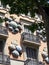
(15, 62)
(41, 48)
(17, 37)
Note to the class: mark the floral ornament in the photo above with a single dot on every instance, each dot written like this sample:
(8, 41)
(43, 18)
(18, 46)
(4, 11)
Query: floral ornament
(41, 32)
(19, 49)
(15, 49)
(13, 26)
(15, 53)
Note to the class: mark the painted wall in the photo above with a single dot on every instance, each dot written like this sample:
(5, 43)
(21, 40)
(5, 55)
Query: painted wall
(14, 62)
(17, 37)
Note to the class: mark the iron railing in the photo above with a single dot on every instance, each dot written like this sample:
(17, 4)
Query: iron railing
(30, 37)
(3, 30)
(33, 62)
(4, 59)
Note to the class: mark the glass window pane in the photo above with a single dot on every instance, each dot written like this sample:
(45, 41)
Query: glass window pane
(31, 53)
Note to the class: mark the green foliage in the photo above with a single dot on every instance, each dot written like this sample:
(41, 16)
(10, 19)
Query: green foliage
(33, 27)
(1, 20)
(41, 25)
(24, 6)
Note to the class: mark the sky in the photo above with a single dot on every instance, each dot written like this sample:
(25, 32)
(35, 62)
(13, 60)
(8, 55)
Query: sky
(48, 1)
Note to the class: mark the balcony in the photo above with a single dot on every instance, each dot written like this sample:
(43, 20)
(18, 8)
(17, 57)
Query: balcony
(27, 62)
(3, 32)
(4, 59)
(33, 62)
(30, 39)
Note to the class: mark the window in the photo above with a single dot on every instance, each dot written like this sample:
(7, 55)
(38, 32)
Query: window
(31, 53)
(1, 45)
(26, 29)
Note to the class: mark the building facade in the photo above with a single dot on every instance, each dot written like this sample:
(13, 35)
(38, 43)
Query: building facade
(18, 45)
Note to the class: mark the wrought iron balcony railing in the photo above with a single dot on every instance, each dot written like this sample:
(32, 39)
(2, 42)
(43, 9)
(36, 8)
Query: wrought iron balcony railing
(33, 62)
(3, 31)
(27, 62)
(4, 59)
(27, 37)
